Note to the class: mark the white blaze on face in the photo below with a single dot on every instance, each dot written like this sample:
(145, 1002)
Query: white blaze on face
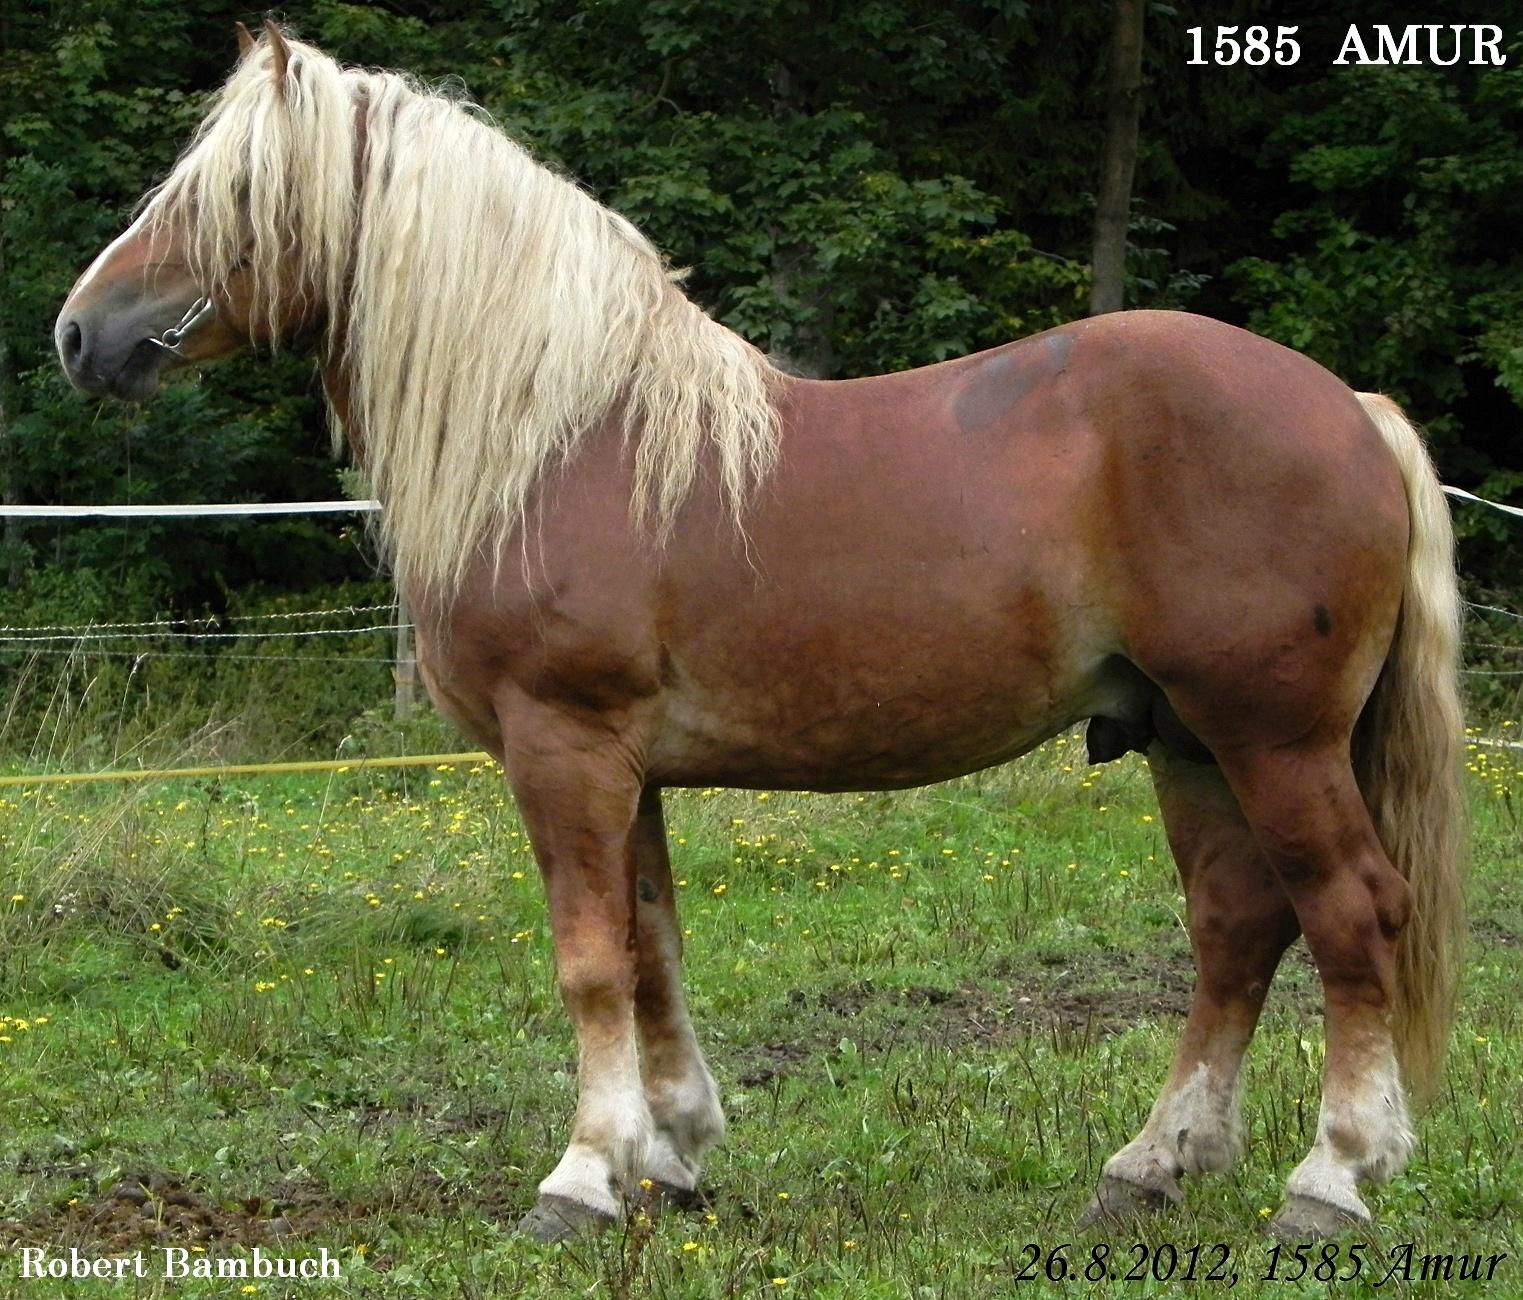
(90, 273)
(95, 267)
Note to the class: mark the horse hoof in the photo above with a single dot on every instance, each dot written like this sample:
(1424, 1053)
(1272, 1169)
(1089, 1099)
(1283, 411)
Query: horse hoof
(1305, 1218)
(661, 1196)
(559, 1218)
(1117, 1200)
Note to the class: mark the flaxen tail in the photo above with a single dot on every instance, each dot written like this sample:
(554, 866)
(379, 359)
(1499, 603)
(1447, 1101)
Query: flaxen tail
(1409, 757)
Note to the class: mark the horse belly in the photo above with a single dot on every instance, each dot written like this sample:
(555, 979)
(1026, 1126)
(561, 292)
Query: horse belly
(877, 703)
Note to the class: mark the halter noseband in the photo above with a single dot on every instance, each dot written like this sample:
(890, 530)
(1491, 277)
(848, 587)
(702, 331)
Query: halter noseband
(195, 316)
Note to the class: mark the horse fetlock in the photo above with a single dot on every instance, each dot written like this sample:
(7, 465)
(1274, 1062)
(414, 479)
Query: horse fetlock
(610, 1148)
(1211, 1147)
(667, 1166)
(1366, 1129)
(1146, 1163)
(688, 1110)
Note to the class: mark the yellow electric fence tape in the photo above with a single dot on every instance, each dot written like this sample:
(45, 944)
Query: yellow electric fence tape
(249, 769)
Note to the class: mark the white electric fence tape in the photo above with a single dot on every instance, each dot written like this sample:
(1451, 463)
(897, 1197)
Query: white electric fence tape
(177, 512)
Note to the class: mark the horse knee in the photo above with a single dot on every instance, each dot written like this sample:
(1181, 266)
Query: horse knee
(596, 991)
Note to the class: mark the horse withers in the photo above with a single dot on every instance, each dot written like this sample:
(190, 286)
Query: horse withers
(640, 557)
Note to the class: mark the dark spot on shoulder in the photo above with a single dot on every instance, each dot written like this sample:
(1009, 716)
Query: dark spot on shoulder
(996, 383)
(647, 889)
(1322, 620)
(1057, 346)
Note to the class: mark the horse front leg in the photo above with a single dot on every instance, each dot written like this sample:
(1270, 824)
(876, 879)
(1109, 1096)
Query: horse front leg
(577, 789)
(679, 1089)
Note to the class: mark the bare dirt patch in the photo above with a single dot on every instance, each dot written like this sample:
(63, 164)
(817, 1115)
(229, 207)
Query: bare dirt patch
(1078, 997)
(155, 1209)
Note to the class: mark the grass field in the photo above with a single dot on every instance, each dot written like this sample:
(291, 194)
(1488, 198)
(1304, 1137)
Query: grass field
(320, 1012)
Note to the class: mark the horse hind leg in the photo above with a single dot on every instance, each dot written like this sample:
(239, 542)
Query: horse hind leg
(1309, 816)
(680, 1091)
(1240, 924)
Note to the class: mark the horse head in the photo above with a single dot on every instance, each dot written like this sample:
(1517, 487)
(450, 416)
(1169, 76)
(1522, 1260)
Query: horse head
(206, 267)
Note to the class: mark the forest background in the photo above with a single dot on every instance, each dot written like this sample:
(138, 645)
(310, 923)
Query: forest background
(858, 186)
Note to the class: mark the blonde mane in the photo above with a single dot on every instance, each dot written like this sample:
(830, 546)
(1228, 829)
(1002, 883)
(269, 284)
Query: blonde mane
(491, 314)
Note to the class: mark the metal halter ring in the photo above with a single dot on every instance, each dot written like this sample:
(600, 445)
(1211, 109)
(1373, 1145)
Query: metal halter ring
(195, 315)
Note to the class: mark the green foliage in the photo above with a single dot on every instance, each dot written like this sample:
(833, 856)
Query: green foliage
(1398, 269)
(95, 99)
(856, 188)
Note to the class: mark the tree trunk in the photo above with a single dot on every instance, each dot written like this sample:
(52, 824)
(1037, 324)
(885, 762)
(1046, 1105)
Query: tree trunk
(1114, 203)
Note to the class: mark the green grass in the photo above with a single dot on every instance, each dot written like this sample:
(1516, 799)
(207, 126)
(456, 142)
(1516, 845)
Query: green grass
(321, 1013)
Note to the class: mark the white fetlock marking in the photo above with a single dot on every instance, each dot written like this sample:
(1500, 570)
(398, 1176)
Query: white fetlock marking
(688, 1111)
(663, 1164)
(1370, 1116)
(1194, 1128)
(611, 1137)
(686, 1107)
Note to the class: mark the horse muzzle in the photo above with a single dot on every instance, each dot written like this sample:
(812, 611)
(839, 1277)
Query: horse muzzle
(116, 349)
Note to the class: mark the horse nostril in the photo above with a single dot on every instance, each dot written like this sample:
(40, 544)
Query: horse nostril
(71, 342)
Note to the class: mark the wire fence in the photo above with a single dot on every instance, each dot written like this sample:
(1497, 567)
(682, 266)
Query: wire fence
(173, 637)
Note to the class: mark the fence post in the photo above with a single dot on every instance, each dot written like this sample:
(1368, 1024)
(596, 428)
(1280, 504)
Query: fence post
(405, 672)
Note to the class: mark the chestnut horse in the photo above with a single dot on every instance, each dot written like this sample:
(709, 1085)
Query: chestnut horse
(641, 557)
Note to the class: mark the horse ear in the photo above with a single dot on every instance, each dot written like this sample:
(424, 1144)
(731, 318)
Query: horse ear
(245, 41)
(279, 50)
